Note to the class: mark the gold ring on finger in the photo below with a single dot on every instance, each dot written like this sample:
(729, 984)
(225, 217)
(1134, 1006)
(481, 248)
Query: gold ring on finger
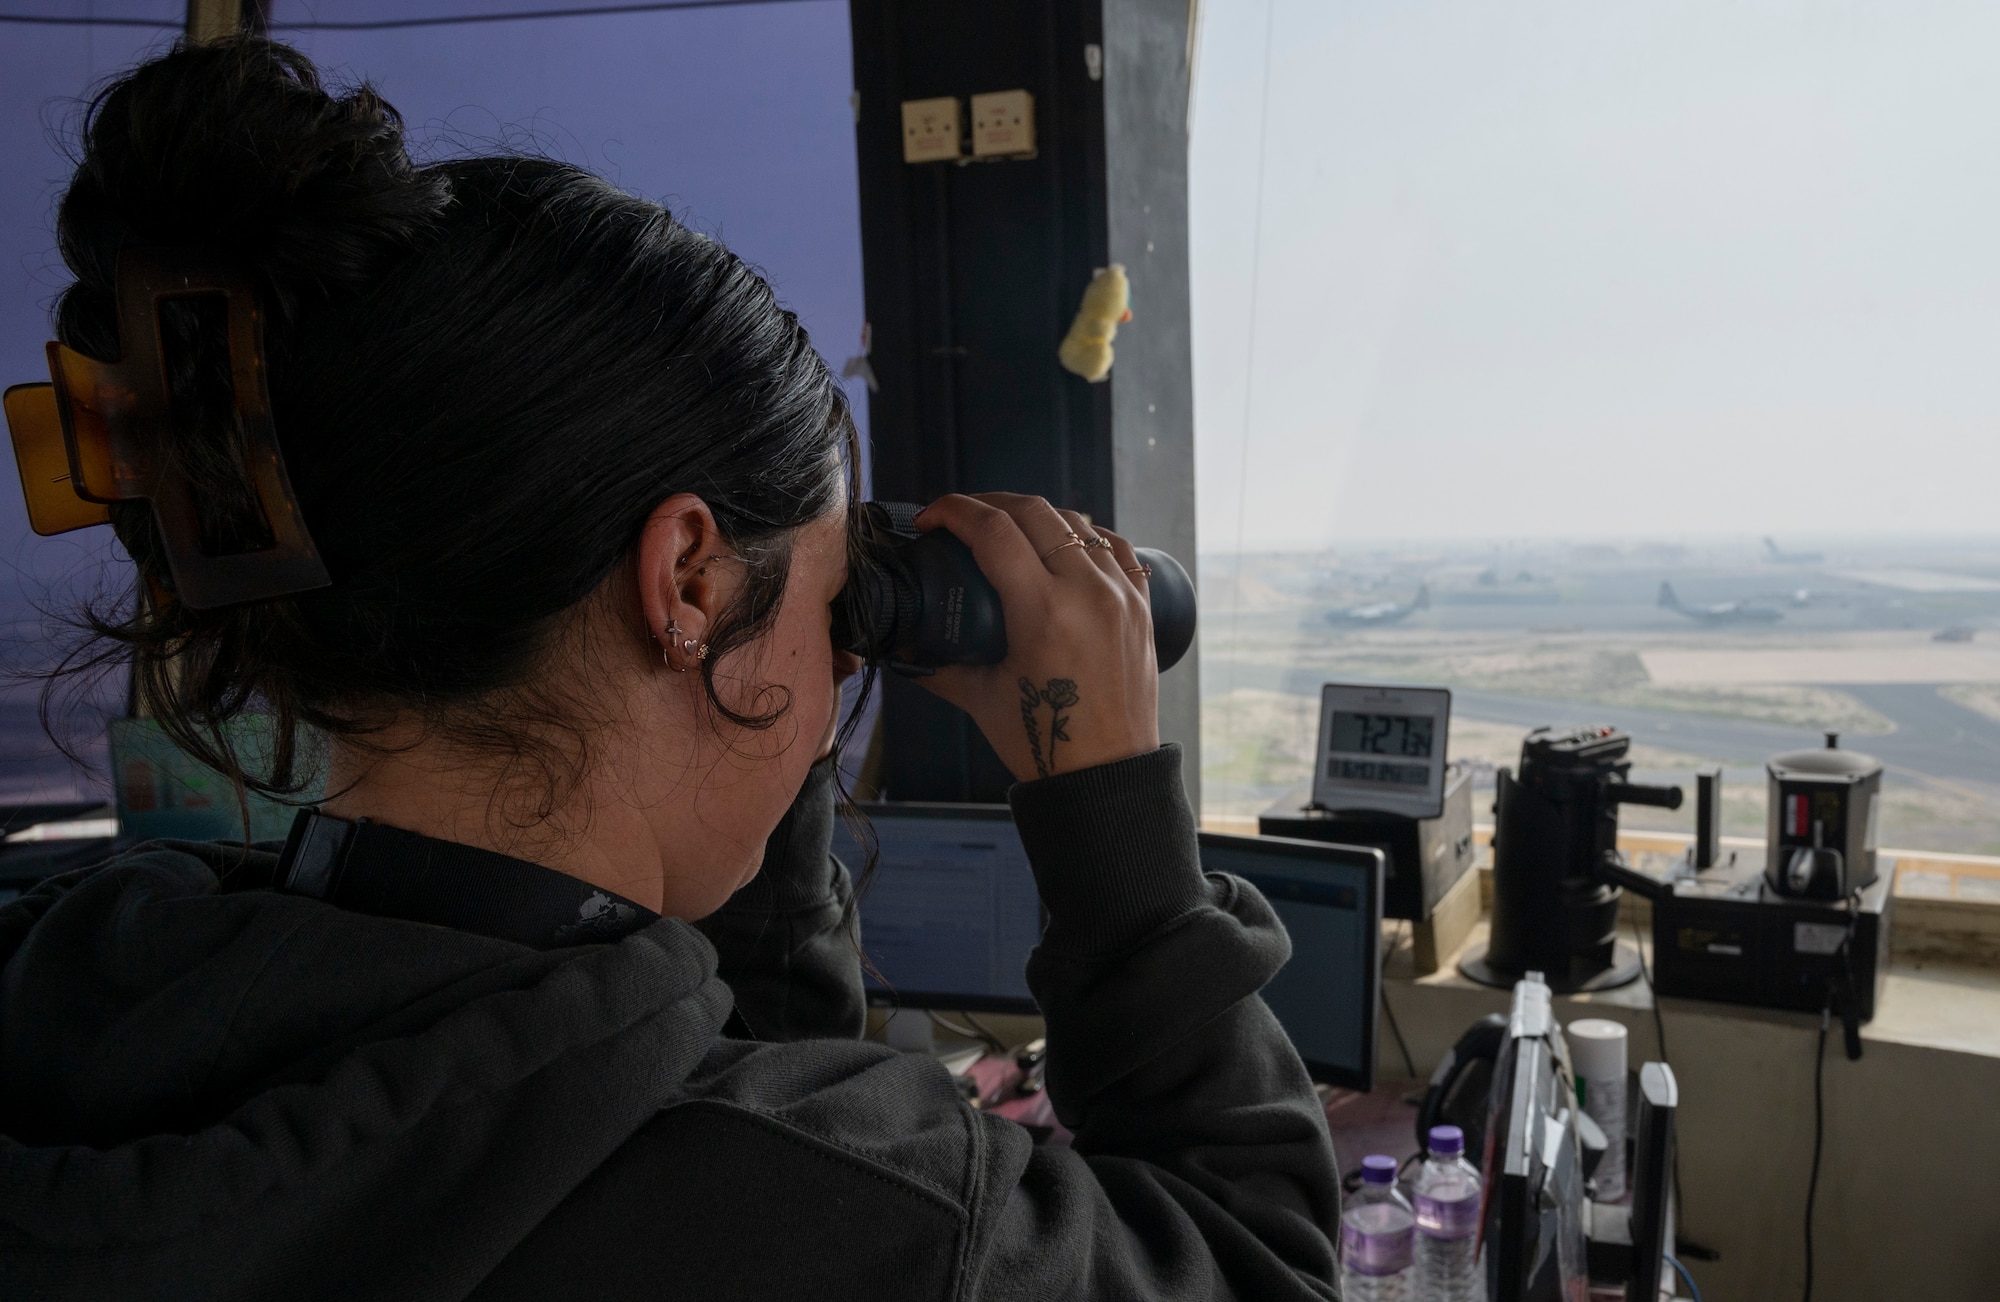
(1143, 571)
(1093, 543)
(1073, 541)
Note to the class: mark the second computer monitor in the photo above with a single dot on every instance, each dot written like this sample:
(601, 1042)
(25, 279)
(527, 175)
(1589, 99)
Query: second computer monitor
(950, 915)
(1330, 899)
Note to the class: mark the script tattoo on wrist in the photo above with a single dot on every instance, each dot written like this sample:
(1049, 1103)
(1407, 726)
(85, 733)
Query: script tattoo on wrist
(1059, 694)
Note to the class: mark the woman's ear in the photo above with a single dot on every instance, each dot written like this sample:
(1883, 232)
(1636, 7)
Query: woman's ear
(679, 582)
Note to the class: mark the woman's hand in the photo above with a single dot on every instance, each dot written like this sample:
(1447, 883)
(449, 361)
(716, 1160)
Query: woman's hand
(1079, 685)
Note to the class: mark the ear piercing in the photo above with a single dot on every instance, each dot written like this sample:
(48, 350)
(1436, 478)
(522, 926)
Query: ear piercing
(690, 648)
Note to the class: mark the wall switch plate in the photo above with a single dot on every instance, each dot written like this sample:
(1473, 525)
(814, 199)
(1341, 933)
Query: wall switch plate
(931, 130)
(1003, 124)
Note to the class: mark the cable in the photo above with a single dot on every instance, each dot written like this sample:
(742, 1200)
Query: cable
(1819, 1081)
(986, 1038)
(1001, 1047)
(1819, 1134)
(1653, 996)
(1382, 985)
(455, 20)
(1686, 1278)
(390, 24)
(52, 20)
(1250, 366)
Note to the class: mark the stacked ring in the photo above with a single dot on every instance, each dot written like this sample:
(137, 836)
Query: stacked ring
(1073, 541)
(1098, 541)
(1143, 571)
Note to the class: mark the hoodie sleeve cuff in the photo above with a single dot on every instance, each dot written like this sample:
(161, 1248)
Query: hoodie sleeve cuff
(1113, 850)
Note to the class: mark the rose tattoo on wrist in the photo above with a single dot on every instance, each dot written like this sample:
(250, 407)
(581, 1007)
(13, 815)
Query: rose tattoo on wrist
(1058, 694)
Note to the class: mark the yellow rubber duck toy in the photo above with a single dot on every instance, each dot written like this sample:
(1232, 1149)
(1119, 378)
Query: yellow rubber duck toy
(1107, 304)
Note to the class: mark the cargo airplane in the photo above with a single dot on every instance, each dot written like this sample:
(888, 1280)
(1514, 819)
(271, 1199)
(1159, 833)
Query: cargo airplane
(1380, 612)
(1722, 612)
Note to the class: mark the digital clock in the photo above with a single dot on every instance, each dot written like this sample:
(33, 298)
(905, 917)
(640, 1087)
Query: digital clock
(1382, 749)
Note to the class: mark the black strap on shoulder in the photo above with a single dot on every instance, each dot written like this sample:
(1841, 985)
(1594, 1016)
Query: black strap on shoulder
(371, 868)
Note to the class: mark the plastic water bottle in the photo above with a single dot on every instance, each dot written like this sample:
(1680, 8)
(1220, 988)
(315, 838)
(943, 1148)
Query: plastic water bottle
(1447, 1204)
(1377, 1233)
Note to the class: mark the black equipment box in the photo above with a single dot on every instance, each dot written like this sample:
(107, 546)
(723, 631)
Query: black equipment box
(1425, 856)
(1555, 844)
(1724, 934)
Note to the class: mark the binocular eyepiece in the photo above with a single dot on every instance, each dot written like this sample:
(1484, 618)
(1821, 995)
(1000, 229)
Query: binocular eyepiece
(915, 600)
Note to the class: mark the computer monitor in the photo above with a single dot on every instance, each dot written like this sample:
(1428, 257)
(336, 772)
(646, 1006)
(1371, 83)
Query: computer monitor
(1330, 899)
(951, 914)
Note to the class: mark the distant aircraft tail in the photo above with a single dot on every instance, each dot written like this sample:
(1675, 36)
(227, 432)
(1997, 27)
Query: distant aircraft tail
(1423, 597)
(1667, 598)
(1771, 546)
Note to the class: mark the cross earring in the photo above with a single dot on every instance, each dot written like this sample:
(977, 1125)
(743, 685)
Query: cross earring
(689, 647)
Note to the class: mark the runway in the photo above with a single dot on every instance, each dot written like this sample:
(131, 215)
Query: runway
(1934, 736)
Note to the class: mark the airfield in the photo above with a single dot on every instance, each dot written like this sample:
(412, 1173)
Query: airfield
(1895, 648)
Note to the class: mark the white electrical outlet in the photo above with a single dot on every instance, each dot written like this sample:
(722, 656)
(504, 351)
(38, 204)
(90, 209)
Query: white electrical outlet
(931, 131)
(1003, 124)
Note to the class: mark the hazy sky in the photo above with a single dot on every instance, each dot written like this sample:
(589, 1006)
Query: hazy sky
(1576, 267)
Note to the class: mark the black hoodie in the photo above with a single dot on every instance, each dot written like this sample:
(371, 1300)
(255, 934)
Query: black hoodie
(214, 1090)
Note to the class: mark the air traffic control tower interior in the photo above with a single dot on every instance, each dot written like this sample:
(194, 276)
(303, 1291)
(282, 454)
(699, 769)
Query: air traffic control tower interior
(1683, 1051)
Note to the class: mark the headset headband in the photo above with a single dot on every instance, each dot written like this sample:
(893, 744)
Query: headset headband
(99, 434)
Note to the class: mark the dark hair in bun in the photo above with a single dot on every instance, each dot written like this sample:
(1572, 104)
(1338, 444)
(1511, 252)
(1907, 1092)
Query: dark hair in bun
(484, 376)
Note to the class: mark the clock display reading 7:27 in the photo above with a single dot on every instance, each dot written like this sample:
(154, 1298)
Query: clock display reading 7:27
(1408, 735)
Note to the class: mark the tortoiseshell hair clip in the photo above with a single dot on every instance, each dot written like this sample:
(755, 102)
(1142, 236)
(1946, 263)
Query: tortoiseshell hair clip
(99, 434)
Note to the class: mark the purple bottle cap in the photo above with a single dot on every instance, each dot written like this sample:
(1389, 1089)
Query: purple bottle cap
(1447, 1141)
(1377, 1169)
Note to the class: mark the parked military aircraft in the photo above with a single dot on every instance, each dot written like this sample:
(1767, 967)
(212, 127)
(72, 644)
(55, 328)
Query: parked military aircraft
(1722, 612)
(1381, 612)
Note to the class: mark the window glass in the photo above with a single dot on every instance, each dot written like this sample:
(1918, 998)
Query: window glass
(1605, 363)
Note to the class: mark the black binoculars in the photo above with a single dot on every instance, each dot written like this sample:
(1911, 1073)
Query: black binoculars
(915, 600)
